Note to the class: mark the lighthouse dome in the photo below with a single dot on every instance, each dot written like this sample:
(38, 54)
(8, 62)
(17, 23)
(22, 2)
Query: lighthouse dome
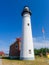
(26, 10)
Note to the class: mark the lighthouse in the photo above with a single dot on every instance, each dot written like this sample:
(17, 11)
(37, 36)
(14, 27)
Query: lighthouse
(27, 50)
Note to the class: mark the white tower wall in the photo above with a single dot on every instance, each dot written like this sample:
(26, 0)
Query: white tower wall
(27, 50)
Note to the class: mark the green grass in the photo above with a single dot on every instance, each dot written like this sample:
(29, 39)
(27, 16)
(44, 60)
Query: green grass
(37, 61)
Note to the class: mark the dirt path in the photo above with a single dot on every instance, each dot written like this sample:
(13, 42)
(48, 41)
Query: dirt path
(0, 60)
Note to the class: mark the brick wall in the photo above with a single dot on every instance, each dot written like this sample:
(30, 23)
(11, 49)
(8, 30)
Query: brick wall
(15, 49)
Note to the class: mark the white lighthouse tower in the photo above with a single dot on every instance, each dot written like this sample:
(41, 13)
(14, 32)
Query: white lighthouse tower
(27, 51)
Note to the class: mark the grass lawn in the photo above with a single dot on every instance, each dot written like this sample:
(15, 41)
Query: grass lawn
(37, 61)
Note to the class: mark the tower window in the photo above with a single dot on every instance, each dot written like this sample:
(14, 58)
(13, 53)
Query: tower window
(28, 24)
(29, 51)
(16, 46)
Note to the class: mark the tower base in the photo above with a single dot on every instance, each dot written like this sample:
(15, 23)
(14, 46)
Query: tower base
(27, 58)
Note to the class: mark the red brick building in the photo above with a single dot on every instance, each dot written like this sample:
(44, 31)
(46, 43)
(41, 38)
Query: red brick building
(14, 51)
(2, 53)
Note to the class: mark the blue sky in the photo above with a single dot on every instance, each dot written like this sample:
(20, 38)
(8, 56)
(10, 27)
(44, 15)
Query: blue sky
(11, 20)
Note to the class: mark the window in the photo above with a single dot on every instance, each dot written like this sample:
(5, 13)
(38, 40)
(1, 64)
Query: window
(29, 51)
(16, 46)
(28, 24)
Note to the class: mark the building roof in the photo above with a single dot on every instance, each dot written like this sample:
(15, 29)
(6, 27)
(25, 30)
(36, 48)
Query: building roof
(17, 39)
(1, 52)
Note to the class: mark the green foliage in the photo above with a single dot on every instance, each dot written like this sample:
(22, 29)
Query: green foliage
(42, 51)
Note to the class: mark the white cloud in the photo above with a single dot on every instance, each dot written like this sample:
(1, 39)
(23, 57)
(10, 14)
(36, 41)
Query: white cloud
(4, 45)
(40, 43)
